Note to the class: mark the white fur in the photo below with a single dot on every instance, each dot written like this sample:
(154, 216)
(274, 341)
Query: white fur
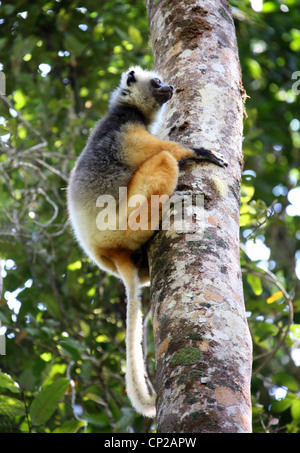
(135, 368)
(139, 92)
(136, 386)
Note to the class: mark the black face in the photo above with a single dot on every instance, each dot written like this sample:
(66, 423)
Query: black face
(161, 93)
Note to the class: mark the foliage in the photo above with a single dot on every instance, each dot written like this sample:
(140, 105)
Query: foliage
(270, 227)
(63, 318)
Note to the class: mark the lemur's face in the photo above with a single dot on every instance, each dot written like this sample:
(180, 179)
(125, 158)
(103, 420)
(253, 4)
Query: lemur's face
(161, 92)
(142, 89)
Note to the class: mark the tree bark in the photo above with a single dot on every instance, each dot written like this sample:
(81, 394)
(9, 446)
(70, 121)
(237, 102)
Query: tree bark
(202, 342)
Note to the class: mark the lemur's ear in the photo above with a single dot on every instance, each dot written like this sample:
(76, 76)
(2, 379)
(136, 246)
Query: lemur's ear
(130, 78)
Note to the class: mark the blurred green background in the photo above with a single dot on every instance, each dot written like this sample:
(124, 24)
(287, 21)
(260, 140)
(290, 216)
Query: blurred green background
(63, 320)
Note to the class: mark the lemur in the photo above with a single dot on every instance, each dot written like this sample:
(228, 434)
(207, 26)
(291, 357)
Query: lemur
(121, 152)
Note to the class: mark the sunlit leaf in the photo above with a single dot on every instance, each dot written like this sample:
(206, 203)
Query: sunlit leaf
(254, 68)
(269, 7)
(255, 283)
(19, 99)
(135, 35)
(295, 43)
(247, 193)
(295, 409)
(11, 406)
(276, 296)
(70, 427)
(6, 382)
(75, 266)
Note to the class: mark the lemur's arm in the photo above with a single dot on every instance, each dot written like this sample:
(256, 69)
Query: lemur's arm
(139, 145)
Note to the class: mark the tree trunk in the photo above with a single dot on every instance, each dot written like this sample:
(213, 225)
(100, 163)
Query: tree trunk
(202, 342)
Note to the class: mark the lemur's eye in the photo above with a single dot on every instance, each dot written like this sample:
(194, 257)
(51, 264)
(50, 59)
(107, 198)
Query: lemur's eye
(156, 82)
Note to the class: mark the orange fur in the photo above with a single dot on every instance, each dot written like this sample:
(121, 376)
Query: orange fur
(139, 145)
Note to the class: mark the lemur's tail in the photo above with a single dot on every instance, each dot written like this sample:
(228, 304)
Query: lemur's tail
(136, 385)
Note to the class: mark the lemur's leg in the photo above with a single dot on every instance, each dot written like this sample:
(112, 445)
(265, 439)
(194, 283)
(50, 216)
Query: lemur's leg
(156, 176)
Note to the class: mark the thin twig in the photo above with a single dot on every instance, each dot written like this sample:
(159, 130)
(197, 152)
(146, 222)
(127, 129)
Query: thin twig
(54, 170)
(269, 213)
(53, 204)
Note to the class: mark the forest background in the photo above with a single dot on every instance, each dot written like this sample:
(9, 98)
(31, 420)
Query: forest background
(62, 320)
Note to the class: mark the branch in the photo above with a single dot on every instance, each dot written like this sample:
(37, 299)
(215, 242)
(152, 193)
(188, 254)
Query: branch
(269, 213)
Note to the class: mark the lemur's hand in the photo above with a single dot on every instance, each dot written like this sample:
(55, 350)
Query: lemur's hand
(209, 156)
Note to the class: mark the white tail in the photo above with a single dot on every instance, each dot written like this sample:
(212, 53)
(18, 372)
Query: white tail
(136, 385)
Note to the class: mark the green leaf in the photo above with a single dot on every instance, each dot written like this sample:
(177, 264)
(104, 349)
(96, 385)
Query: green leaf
(295, 44)
(281, 405)
(19, 99)
(282, 378)
(247, 193)
(266, 330)
(11, 406)
(295, 328)
(52, 305)
(295, 409)
(7, 382)
(255, 283)
(8, 9)
(269, 7)
(70, 427)
(75, 266)
(72, 347)
(47, 400)
(254, 68)
(99, 420)
(135, 36)
(23, 46)
(73, 45)
(123, 425)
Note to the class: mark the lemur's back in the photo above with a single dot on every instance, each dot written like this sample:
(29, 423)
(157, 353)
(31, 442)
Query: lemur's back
(100, 168)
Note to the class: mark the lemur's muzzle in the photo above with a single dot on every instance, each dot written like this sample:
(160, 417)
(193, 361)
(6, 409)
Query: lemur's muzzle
(163, 93)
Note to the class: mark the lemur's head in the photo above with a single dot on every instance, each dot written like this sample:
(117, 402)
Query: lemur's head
(142, 89)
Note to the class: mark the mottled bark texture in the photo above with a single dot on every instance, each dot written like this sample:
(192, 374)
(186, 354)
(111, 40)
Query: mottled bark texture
(202, 341)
